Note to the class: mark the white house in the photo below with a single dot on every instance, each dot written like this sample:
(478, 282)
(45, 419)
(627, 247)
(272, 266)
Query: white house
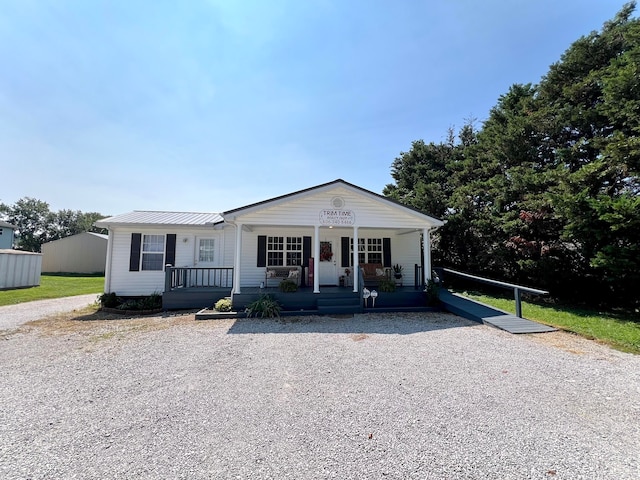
(308, 235)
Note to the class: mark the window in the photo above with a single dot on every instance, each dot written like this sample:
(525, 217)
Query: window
(369, 250)
(206, 250)
(374, 250)
(275, 251)
(152, 252)
(278, 250)
(294, 251)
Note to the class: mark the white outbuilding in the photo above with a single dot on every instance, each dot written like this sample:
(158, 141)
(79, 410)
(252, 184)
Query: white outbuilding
(82, 253)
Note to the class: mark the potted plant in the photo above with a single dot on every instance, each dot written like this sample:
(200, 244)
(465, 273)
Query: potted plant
(397, 271)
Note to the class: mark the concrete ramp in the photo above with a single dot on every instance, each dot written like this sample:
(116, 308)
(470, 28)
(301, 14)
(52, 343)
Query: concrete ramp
(479, 312)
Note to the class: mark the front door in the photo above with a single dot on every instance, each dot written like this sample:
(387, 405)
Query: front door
(327, 267)
(207, 252)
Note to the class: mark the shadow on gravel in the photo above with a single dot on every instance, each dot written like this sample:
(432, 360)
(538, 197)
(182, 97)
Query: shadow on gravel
(396, 325)
(100, 315)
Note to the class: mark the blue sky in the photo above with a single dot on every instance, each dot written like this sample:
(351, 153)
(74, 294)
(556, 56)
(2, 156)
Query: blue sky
(211, 105)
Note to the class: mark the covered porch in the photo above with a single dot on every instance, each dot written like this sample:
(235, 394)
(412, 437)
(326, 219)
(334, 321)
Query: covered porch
(191, 287)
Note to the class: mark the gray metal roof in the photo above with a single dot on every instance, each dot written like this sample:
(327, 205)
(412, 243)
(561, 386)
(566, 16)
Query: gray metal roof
(6, 225)
(139, 217)
(99, 235)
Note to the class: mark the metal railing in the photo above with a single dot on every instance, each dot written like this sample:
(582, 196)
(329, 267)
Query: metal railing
(197, 277)
(517, 289)
(418, 278)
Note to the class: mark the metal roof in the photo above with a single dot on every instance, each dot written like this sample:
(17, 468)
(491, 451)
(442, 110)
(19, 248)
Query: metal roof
(140, 217)
(6, 225)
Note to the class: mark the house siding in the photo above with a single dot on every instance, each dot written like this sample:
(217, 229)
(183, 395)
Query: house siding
(132, 283)
(368, 210)
(405, 249)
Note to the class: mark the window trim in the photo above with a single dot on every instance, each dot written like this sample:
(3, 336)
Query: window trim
(144, 252)
(213, 250)
(291, 245)
(368, 246)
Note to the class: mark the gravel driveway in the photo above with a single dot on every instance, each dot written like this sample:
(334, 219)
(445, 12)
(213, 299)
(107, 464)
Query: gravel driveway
(421, 396)
(12, 316)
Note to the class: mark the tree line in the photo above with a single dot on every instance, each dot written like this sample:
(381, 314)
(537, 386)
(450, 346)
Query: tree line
(546, 192)
(37, 224)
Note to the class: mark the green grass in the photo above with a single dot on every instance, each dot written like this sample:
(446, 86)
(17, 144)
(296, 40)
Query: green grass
(55, 286)
(620, 331)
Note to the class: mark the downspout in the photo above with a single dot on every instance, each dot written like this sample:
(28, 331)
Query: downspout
(107, 268)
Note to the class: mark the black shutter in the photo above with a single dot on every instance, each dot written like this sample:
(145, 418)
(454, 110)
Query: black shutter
(306, 251)
(170, 250)
(134, 256)
(262, 250)
(344, 246)
(386, 252)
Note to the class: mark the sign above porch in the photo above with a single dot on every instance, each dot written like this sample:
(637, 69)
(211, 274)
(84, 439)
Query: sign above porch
(334, 217)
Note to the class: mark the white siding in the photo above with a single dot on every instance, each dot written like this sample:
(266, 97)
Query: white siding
(124, 282)
(369, 210)
(250, 274)
(405, 249)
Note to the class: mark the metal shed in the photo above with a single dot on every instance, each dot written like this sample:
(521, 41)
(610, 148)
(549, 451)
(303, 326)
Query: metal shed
(82, 253)
(19, 269)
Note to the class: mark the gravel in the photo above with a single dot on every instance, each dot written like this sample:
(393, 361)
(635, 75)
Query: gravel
(11, 316)
(424, 396)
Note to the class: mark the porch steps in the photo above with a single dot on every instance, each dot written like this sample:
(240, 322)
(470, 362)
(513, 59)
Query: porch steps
(339, 305)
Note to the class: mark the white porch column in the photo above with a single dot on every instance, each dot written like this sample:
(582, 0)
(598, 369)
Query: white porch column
(356, 265)
(236, 263)
(316, 259)
(426, 246)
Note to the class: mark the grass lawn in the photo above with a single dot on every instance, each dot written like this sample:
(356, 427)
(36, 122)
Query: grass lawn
(617, 330)
(55, 286)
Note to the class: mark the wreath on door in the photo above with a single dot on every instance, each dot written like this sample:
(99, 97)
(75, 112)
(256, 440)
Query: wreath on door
(325, 252)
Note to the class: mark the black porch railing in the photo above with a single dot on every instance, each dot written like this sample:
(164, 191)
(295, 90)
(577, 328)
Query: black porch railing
(198, 277)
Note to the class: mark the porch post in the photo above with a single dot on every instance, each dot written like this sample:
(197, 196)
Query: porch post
(356, 265)
(236, 263)
(426, 246)
(316, 259)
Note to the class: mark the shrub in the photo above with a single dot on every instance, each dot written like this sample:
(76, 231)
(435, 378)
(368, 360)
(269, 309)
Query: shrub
(130, 305)
(432, 291)
(288, 286)
(386, 285)
(109, 300)
(265, 306)
(152, 302)
(223, 305)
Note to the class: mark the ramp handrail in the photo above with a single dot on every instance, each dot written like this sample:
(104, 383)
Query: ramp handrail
(517, 289)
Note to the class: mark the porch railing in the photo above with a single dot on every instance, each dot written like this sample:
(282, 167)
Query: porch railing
(517, 289)
(198, 277)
